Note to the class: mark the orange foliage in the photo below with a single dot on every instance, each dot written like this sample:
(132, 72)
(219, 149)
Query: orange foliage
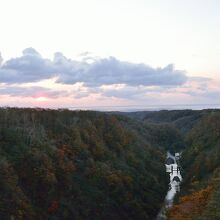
(118, 178)
(189, 207)
(114, 179)
(53, 207)
(63, 153)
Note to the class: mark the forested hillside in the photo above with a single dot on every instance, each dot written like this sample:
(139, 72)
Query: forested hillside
(183, 120)
(201, 164)
(197, 135)
(60, 164)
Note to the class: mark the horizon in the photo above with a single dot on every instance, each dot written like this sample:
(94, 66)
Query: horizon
(131, 108)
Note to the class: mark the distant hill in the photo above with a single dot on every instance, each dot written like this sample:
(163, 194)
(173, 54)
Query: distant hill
(184, 120)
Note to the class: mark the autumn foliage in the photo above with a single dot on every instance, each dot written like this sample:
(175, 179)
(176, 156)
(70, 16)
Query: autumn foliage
(60, 164)
(201, 164)
(191, 206)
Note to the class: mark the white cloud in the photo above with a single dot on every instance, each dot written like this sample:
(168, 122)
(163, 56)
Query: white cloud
(100, 78)
(32, 67)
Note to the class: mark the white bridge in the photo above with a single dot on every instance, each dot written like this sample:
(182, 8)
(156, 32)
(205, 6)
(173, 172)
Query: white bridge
(173, 169)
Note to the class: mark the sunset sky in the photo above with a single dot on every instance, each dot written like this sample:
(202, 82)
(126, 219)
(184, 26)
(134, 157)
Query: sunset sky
(110, 54)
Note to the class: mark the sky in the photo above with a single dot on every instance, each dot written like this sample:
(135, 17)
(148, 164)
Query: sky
(110, 54)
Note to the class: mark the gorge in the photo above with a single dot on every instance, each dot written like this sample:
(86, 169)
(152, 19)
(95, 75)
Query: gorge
(62, 164)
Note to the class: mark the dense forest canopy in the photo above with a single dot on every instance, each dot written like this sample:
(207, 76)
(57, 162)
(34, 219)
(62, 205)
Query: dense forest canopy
(200, 143)
(200, 194)
(61, 164)
(200, 197)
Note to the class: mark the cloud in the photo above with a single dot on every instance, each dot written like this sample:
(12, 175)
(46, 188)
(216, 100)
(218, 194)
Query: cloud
(99, 78)
(34, 92)
(32, 67)
(125, 92)
(110, 71)
(1, 59)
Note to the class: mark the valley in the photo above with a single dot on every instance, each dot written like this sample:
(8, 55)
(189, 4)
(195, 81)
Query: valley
(62, 164)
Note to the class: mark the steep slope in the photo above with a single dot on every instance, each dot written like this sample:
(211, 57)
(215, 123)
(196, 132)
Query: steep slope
(201, 164)
(78, 165)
